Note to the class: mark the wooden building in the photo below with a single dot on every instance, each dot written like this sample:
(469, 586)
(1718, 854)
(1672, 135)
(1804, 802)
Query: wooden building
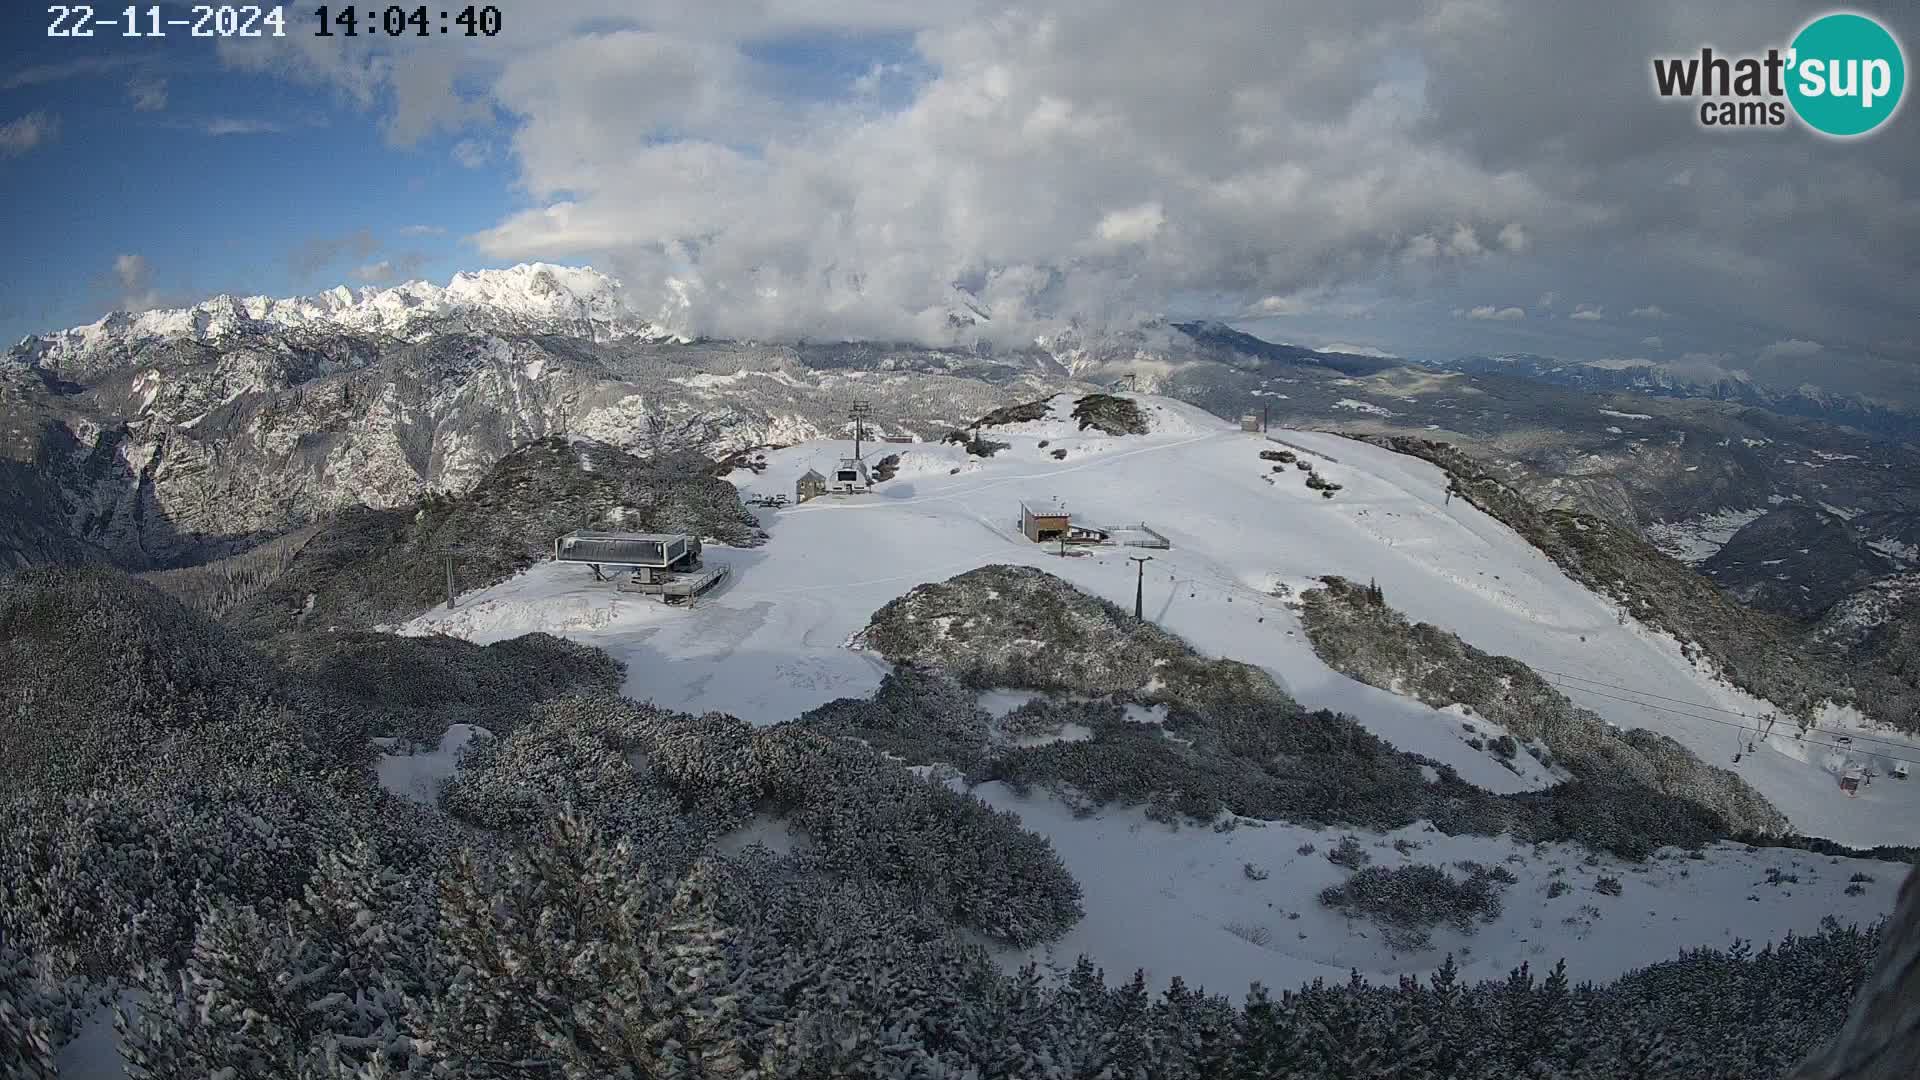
(811, 485)
(1044, 524)
(1249, 421)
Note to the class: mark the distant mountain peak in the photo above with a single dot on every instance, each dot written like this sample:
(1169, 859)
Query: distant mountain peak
(573, 301)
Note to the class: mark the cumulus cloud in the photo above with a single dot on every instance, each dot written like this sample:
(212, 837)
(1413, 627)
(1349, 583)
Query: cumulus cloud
(23, 135)
(1134, 225)
(133, 279)
(1496, 314)
(472, 153)
(222, 126)
(148, 93)
(1652, 342)
(1794, 349)
(1052, 161)
(1588, 313)
(1046, 155)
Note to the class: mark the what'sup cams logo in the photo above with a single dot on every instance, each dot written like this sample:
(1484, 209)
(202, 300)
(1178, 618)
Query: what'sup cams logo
(1842, 76)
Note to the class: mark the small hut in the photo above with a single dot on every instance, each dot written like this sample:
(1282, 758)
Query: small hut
(811, 485)
(1249, 422)
(1044, 524)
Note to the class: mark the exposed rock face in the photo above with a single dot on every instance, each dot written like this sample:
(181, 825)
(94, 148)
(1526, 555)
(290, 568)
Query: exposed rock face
(157, 464)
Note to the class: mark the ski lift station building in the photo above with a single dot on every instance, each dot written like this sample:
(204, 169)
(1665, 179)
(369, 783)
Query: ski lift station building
(665, 564)
(850, 476)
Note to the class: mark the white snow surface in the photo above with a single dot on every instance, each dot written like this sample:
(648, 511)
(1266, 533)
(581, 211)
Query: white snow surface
(419, 776)
(771, 643)
(781, 638)
(1696, 540)
(1180, 902)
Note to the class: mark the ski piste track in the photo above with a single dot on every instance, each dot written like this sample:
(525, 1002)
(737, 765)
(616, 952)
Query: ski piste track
(772, 644)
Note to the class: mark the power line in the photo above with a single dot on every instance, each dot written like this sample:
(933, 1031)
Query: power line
(1716, 720)
(1712, 708)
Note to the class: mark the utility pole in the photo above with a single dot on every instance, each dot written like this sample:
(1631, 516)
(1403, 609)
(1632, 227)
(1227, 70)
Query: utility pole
(859, 414)
(1139, 580)
(1264, 410)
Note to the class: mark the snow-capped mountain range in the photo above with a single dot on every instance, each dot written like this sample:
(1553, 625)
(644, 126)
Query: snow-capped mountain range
(530, 298)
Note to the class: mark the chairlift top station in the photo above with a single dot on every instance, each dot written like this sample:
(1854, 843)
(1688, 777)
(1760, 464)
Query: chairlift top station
(667, 565)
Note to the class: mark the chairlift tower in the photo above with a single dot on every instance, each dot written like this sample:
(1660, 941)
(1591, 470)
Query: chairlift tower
(859, 413)
(1139, 581)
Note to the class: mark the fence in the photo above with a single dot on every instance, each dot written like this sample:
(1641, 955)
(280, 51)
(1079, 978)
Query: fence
(1140, 535)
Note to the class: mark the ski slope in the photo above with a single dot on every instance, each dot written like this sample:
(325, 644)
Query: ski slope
(773, 643)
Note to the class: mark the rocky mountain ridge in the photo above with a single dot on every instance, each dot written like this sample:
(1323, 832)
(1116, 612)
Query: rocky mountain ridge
(532, 298)
(1737, 387)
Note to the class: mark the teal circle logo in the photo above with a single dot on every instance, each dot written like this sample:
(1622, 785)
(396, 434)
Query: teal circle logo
(1846, 74)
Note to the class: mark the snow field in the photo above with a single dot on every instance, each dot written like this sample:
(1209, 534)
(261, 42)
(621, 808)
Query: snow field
(773, 643)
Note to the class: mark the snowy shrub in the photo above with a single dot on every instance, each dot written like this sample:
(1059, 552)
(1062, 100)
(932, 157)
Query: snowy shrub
(98, 670)
(416, 686)
(974, 624)
(1360, 637)
(671, 784)
(37, 1014)
(1349, 853)
(568, 957)
(1304, 849)
(1060, 454)
(1113, 415)
(977, 445)
(1023, 413)
(1558, 888)
(1415, 898)
(215, 588)
(1862, 877)
(323, 980)
(1607, 886)
(1498, 874)
(920, 715)
(1253, 873)
(1855, 890)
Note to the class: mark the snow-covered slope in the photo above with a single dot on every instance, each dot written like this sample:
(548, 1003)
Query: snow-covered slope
(532, 297)
(774, 642)
(770, 645)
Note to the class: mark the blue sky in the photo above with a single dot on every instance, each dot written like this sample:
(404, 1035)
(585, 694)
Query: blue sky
(229, 181)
